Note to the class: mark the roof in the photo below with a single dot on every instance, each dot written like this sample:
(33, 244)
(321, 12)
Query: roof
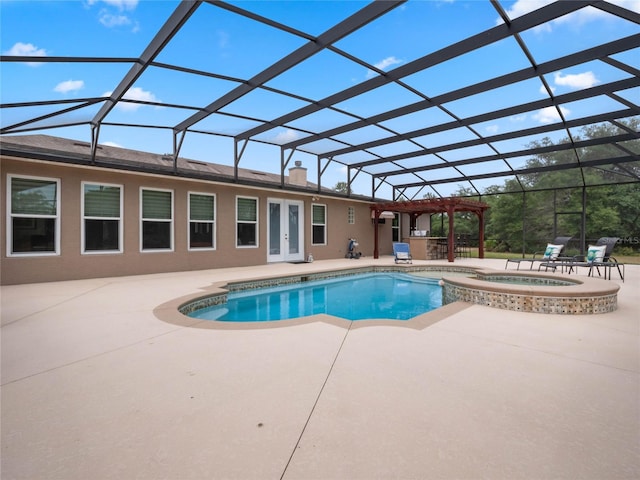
(426, 124)
(45, 147)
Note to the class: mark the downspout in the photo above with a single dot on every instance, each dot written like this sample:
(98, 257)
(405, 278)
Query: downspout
(376, 253)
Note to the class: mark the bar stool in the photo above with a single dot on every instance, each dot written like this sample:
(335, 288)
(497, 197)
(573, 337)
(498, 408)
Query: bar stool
(462, 246)
(443, 248)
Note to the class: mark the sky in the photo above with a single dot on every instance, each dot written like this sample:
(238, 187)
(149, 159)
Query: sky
(235, 48)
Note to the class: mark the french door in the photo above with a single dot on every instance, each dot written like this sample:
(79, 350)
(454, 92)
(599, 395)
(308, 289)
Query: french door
(286, 230)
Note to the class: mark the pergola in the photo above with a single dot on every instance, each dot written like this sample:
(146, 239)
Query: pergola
(450, 205)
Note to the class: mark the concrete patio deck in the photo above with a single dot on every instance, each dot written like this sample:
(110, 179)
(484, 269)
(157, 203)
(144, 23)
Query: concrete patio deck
(96, 386)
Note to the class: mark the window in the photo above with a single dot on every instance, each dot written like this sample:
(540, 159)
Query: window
(246, 222)
(202, 221)
(157, 219)
(351, 215)
(395, 228)
(34, 223)
(101, 218)
(319, 224)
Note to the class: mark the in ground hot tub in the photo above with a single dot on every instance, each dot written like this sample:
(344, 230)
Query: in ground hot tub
(531, 292)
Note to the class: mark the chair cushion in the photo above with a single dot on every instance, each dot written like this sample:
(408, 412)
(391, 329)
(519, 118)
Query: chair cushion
(595, 253)
(552, 251)
(402, 255)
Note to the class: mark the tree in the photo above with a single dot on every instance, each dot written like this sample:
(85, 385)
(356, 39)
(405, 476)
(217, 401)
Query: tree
(342, 187)
(553, 200)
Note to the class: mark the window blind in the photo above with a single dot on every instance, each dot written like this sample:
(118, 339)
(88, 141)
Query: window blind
(247, 210)
(201, 207)
(318, 214)
(101, 201)
(156, 205)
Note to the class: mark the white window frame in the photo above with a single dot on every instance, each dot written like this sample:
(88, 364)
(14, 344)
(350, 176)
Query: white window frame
(212, 222)
(257, 222)
(313, 224)
(83, 218)
(351, 215)
(11, 216)
(396, 229)
(142, 220)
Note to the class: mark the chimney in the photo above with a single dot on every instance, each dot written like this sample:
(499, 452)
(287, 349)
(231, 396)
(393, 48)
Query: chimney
(298, 175)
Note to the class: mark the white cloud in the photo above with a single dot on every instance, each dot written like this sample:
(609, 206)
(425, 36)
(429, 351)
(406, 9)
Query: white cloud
(112, 14)
(543, 90)
(518, 118)
(223, 38)
(135, 93)
(287, 136)
(575, 19)
(633, 5)
(588, 14)
(111, 21)
(111, 144)
(492, 129)
(69, 86)
(522, 7)
(121, 5)
(383, 65)
(577, 81)
(26, 50)
(550, 114)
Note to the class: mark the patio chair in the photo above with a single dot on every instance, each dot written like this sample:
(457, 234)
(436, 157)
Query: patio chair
(550, 254)
(598, 256)
(402, 253)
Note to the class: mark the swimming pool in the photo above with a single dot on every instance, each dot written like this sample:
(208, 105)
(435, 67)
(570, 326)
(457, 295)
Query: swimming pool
(389, 295)
(542, 293)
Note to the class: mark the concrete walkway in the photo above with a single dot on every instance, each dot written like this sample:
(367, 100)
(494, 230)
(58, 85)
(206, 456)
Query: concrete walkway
(95, 386)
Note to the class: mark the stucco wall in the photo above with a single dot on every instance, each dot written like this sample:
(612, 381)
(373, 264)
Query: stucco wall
(73, 264)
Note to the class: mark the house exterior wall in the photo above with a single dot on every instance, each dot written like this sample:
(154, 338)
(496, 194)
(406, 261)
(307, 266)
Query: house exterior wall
(72, 264)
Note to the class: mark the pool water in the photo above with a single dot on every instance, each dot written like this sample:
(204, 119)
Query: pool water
(394, 296)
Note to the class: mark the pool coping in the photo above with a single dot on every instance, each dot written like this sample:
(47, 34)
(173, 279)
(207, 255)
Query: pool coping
(175, 311)
(588, 286)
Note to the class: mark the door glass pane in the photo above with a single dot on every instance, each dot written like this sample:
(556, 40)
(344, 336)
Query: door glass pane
(294, 231)
(274, 229)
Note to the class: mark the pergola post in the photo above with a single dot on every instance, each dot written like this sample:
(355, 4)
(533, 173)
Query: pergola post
(480, 234)
(451, 245)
